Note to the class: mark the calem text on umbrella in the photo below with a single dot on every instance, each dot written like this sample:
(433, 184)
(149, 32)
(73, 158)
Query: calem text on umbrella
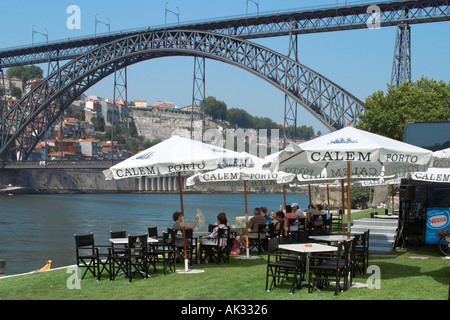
(340, 156)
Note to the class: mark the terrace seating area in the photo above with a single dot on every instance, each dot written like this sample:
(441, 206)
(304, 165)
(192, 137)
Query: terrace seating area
(298, 258)
(132, 256)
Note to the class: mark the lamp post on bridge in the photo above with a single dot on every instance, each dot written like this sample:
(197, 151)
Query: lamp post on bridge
(33, 32)
(257, 7)
(170, 11)
(106, 24)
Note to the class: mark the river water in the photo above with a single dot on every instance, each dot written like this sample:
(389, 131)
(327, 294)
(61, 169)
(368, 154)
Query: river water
(36, 228)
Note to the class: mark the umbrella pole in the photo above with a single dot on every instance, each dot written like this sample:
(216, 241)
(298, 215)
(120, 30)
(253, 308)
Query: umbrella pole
(246, 220)
(328, 199)
(343, 205)
(309, 217)
(186, 261)
(309, 192)
(247, 249)
(348, 200)
(285, 217)
(392, 196)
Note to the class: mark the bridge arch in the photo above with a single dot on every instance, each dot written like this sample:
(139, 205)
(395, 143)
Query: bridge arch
(26, 123)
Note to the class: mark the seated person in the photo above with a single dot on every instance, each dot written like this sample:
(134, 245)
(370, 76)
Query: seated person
(255, 222)
(297, 211)
(275, 228)
(290, 215)
(264, 212)
(312, 211)
(211, 239)
(320, 209)
(178, 218)
(319, 222)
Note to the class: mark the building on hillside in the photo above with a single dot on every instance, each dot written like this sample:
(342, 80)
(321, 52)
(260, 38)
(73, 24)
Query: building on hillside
(140, 103)
(5, 87)
(71, 150)
(16, 83)
(92, 108)
(106, 149)
(99, 107)
(91, 148)
(31, 84)
(191, 107)
(163, 104)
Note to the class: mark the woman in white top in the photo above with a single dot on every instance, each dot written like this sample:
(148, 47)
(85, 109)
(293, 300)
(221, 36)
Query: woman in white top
(211, 239)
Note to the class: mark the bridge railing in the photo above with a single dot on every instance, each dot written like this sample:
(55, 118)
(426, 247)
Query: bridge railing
(59, 164)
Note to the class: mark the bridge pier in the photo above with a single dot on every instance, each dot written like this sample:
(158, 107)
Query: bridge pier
(148, 186)
(140, 183)
(166, 184)
(172, 183)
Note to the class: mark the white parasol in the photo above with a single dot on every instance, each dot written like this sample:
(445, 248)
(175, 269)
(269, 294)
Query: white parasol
(174, 156)
(246, 175)
(439, 172)
(356, 152)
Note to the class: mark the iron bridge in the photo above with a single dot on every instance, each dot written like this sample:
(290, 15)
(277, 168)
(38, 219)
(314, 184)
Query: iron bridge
(91, 59)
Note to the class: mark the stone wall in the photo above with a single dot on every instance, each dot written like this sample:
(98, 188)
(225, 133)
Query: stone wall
(78, 181)
(84, 181)
(161, 123)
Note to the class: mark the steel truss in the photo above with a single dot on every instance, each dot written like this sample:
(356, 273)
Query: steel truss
(120, 94)
(23, 126)
(198, 91)
(290, 105)
(269, 25)
(401, 67)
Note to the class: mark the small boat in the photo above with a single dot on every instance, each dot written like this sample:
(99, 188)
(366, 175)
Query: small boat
(46, 267)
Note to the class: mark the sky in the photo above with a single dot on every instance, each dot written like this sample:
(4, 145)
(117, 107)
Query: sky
(360, 61)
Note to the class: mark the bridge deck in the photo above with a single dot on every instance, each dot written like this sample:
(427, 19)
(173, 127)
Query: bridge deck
(325, 19)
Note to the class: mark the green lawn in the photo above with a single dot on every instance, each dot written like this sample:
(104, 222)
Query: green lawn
(401, 277)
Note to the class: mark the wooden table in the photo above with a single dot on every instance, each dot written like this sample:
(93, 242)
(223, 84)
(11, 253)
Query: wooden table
(307, 248)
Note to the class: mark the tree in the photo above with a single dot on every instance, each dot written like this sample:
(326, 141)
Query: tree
(16, 92)
(215, 108)
(305, 133)
(240, 118)
(359, 196)
(425, 100)
(25, 73)
(99, 123)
